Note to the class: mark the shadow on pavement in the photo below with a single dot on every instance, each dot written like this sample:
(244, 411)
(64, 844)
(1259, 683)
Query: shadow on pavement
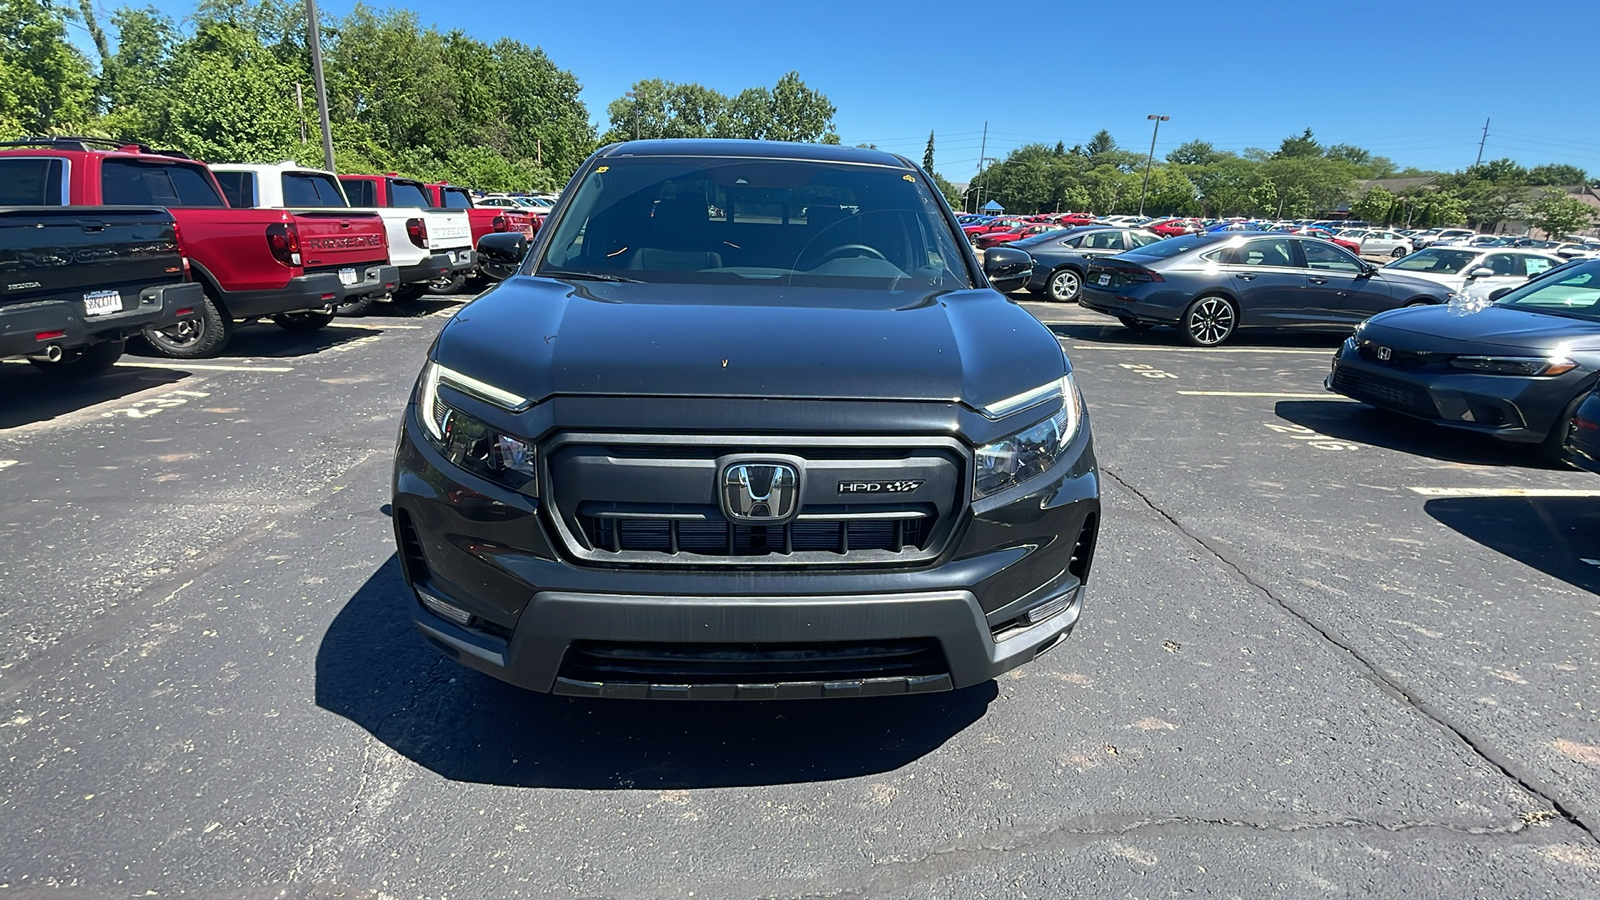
(1361, 424)
(375, 670)
(31, 396)
(267, 341)
(1113, 333)
(1552, 534)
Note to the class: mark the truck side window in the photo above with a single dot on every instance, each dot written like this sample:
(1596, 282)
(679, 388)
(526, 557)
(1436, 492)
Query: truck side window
(360, 192)
(139, 183)
(32, 182)
(239, 188)
(308, 189)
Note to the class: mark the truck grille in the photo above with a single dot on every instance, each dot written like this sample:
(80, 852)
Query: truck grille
(648, 500)
(710, 534)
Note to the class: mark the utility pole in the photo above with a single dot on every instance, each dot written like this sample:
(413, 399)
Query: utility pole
(300, 108)
(982, 147)
(1150, 159)
(1481, 142)
(315, 40)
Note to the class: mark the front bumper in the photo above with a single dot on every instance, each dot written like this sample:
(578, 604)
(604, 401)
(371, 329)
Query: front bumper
(161, 306)
(1512, 408)
(492, 554)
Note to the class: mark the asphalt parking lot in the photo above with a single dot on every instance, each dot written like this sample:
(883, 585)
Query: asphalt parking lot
(1327, 652)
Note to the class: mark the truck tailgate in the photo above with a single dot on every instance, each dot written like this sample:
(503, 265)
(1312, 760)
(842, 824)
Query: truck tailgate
(49, 253)
(448, 229)
(334, 238)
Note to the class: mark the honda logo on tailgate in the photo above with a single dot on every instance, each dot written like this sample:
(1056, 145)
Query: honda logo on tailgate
(762, 492)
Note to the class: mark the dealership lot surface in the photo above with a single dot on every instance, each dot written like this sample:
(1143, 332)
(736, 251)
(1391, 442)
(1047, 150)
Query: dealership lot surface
(1327, 651)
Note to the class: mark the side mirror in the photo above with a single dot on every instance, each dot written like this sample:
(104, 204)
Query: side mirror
(1007, 267)
(1481, 272)
(500, 255)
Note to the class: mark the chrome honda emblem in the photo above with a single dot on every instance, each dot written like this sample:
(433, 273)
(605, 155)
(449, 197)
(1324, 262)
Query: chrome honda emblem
(763, 492)
(1385, 354)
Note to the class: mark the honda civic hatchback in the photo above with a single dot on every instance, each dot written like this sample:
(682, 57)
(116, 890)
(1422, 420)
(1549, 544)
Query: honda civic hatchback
(748, 421)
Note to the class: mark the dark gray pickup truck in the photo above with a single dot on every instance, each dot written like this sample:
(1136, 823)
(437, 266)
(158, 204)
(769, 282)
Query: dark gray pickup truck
(77, 281)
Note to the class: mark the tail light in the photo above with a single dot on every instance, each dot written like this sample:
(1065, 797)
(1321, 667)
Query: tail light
(177, 241)
(1140, 275)
(417, 230)
(499, 224)
(284, 242)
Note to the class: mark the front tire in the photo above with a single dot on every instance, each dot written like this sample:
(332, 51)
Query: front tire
(1399, 252)
(1065, 286)
(201, 337)
(1209, 321)
(83, 362)
(307, 320)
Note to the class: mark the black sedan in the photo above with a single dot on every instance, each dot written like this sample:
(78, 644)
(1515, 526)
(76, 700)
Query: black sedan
(1516, 369)
(1211, 285)
(1061, 257)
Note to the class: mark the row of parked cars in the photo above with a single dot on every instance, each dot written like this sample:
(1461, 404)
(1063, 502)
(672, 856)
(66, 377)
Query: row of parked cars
(1504, 341)
(102, 242)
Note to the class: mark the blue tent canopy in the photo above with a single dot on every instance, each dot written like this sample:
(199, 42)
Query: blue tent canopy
(992, 206)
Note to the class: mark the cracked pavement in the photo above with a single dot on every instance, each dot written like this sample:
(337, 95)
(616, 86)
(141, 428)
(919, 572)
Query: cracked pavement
(1295, 676)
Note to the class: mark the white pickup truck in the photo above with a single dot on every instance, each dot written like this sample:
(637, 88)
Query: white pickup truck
(426, 244)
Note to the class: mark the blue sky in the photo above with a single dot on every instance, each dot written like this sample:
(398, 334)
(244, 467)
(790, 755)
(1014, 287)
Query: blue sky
(1413, 81)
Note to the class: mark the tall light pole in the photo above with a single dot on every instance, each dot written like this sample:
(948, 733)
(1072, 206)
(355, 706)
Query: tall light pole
(635, 98)
(314, 38)
(1150, 159)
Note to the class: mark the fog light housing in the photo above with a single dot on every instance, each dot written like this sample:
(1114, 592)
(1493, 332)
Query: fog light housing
(444, 610)
(1046, 610)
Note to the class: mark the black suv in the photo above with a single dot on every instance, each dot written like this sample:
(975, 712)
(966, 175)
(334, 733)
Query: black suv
(748, 422)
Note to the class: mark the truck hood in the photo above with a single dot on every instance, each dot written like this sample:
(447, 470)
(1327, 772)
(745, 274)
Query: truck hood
(1469, 329)
(539, 338)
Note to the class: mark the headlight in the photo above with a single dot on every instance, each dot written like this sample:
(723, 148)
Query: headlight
(1515, 365)
(1033, 450)
(471, 444)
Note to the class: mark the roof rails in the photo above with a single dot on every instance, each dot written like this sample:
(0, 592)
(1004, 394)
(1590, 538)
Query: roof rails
(90, 143)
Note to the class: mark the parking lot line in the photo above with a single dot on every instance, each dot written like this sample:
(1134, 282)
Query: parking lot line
(203, 367)
(366, 327)
(1501, 492)
(1283, 394)
(1073, 346)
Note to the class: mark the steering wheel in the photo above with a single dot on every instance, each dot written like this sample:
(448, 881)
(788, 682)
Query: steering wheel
(840, 251)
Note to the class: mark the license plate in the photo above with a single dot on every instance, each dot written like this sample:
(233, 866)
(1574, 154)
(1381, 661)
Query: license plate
(99, 303)
(349, 276)
(1104, 280)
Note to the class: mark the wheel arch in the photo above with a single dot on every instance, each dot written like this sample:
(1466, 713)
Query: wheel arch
(212, 287)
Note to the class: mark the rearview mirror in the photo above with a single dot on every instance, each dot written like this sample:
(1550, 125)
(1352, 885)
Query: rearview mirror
(500, 255)
(1007, 268)
(1481, 272)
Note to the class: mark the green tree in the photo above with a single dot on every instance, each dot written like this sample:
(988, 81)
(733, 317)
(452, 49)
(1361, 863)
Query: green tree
(1300, 146)
(46, 84)
(952, 194)
(1264, 199)
(1557, 173)
(1558, 215)
(927, 155)
(1373, 206)
(1296, 202)
(1193, 153)
(1102, 142)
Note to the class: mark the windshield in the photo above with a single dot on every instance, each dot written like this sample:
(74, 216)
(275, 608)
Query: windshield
(1575, 294)
(1439, 261)
(756, 221)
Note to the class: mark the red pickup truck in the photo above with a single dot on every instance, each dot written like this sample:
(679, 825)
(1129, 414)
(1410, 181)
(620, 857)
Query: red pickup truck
(484, 220)
(292, 267)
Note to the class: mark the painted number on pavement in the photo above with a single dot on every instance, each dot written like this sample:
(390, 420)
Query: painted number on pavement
(1146, 371)
(1312, 438)
(144, 409)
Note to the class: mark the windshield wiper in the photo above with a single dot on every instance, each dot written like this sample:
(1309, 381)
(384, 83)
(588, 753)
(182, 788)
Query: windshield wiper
(586, 276)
